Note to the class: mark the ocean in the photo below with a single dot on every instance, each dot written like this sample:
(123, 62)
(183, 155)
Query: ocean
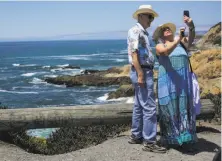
(25, 65)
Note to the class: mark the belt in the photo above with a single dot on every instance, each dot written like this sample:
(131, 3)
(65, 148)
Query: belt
(145, 66)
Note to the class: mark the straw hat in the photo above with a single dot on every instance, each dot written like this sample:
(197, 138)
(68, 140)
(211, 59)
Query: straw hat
(157, 33)
(144, 9)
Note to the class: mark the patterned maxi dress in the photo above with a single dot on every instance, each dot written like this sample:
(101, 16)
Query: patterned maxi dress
(177, 117)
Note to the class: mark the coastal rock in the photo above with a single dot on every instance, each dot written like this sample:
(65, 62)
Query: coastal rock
(98, 78)
(122, 91)
(71, 67)
(212, 38)
(126, 91)
(89, 71)
(118, 71)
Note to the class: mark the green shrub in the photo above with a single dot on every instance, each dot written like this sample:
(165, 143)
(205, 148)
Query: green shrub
(29, 143)
(66, 139)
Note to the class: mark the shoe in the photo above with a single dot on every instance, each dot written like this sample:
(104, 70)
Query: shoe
(134, 140)
(217, 156)
(153, 147)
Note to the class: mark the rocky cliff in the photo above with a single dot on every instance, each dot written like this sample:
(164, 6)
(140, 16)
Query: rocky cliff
(212, 38)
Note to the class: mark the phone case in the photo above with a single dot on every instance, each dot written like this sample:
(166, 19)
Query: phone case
(186, 13)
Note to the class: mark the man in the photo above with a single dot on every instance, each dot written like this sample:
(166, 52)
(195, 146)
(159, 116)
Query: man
(144, 120)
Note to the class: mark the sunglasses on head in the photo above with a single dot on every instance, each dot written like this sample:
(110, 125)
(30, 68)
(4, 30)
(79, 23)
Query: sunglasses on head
(150, 17)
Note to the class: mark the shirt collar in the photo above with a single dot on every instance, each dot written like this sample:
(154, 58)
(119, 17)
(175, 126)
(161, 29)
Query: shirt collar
(141, 27)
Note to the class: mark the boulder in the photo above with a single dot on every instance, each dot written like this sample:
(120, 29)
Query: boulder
(122, 91)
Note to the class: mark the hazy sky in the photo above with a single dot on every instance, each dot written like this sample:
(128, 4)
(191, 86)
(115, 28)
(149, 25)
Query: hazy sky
(28, 20)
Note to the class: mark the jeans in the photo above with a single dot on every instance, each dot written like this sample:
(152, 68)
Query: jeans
(144, 119)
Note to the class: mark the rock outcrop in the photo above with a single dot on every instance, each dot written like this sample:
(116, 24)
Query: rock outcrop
(112, 76)
(122, 91)
(212, 38)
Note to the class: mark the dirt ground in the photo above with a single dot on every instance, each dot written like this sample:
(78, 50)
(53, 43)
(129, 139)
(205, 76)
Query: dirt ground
(118, 149)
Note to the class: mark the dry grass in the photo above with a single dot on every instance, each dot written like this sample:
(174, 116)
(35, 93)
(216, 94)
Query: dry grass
(210, 54)
(207, 65)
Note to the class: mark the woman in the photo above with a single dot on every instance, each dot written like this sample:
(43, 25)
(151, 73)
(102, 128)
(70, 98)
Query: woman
(177, 118)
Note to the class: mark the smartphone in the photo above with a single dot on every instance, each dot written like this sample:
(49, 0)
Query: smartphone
(182, 33)
(186, 13)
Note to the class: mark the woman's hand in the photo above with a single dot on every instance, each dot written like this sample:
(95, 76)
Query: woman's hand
(188, 21)
(177, 39)
(189, 40)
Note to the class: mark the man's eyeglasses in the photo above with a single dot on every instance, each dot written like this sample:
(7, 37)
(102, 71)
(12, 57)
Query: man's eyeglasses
(149, 16)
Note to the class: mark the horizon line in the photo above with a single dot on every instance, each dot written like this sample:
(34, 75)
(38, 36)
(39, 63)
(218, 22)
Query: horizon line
(64, 37)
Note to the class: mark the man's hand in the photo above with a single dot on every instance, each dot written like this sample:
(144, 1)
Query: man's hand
(141, 80)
